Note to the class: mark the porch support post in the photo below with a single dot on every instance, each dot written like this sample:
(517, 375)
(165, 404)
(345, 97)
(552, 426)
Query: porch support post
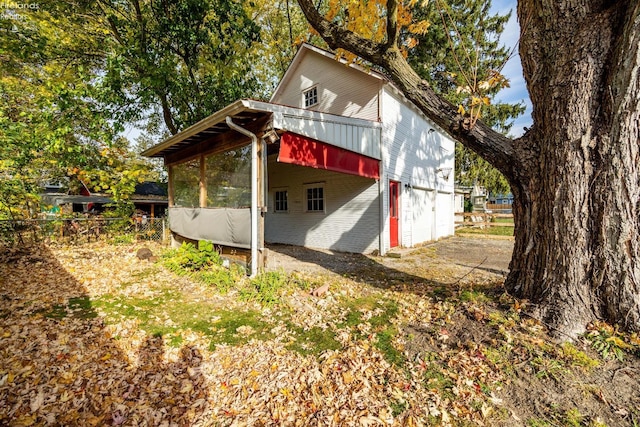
(255, 193)
(203, 183)
(170, 188)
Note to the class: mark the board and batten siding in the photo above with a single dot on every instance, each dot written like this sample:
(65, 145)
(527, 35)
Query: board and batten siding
(412, 154)
(341, 90)
(350, 222)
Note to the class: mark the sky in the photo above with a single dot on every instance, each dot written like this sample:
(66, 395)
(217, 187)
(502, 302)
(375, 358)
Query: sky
(513, 70)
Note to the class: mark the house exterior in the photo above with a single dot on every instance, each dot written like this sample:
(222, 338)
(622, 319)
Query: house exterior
(338, 159)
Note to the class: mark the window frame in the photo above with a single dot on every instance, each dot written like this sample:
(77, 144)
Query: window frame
(276, 191)
(323, 199)
(316, 96)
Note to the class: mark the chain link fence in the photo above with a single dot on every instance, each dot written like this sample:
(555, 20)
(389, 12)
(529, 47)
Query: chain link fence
(83, 230)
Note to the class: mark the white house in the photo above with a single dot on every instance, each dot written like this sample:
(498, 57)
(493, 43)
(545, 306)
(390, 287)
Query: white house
(338, 159)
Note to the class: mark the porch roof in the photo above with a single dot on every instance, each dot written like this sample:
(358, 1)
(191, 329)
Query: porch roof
(357, 135)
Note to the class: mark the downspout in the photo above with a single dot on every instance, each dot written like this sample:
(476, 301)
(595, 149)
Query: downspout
(254, 192)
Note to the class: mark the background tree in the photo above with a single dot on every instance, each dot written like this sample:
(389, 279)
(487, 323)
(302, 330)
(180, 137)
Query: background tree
(574, 174)
(181, 60)
(463, 43)
(52, 125)
(282, 27)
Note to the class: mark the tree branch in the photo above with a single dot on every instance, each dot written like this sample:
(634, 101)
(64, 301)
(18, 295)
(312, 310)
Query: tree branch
(392, 24)
(339, 38)
(494, 147)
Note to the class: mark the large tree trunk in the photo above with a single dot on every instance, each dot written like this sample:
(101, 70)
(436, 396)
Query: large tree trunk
(576, 174)
(577, 210)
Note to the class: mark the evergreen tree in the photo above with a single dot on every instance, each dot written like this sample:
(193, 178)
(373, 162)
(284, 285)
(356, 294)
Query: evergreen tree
(462, 45)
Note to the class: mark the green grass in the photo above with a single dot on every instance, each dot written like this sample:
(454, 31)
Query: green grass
(382, 330)
(79, 308)
(490, 231)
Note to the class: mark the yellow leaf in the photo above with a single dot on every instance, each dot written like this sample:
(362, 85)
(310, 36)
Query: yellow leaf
(347, 377)
(26, 420)
(461, 110)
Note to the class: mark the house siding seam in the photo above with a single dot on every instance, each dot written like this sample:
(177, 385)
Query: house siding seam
(341, 90)
(351, 217)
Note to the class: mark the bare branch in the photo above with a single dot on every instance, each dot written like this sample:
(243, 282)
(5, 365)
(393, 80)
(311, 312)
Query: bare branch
(392, 24)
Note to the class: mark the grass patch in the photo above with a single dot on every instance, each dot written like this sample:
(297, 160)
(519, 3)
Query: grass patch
(489, 230)
(169, 315)
(79, 308)
(370, 318)
(313, 341)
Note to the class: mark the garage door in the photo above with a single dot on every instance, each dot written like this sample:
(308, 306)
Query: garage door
(422, 210)
(444, 214)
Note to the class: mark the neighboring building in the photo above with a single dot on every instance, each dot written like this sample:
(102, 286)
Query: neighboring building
(149, 198)
(479, 198)
(501, 199)
(338, 159)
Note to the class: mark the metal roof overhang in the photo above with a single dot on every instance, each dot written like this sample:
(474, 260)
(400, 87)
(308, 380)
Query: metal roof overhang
(357, 135)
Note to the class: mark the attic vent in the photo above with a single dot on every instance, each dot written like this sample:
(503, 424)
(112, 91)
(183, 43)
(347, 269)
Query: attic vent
(310, 97)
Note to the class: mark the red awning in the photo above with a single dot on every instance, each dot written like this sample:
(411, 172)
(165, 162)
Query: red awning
(300, 150)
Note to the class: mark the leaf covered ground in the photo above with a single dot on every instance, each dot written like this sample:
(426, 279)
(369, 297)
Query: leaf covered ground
(91, 335)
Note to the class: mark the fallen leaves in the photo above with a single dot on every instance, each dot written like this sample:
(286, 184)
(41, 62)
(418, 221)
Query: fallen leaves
(76, 369)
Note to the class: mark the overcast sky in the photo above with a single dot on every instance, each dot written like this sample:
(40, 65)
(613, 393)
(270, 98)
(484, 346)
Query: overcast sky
(513, 70)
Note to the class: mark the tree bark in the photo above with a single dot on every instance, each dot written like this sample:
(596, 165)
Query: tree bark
(575, 174)
(576, 255)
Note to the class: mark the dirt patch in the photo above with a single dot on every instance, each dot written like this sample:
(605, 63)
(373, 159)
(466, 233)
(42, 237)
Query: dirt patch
(541, 386)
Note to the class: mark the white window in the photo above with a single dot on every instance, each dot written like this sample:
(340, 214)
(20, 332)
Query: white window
(281, 201)
(314, 196)
(310, 97)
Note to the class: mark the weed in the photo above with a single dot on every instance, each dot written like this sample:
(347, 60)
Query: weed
(224, 280)
(188, 258)
(265, 288)
(575, 357)
(474, 296)
(607, 341)
(573, 418)
(547, 368)
(122, 239)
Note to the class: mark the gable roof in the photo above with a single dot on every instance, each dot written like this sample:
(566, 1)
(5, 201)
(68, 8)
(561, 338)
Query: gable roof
(305, 49)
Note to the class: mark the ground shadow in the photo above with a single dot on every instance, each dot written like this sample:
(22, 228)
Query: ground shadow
(413, 272)
(60, 365)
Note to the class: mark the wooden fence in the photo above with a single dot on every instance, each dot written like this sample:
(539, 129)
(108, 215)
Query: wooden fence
(475, 221)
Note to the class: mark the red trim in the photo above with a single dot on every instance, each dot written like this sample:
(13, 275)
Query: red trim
(300, 150)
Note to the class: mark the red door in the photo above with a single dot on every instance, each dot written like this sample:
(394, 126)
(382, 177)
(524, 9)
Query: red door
(394, 214)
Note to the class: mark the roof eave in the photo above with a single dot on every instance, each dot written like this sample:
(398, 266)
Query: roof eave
(230, 110)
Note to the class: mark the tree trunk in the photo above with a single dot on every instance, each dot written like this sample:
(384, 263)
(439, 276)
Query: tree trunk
(577, 200)
(575, 175)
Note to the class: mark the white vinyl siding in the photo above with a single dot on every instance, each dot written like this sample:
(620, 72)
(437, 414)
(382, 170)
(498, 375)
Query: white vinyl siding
(341, 89)
(350, 221)
(412, 154)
